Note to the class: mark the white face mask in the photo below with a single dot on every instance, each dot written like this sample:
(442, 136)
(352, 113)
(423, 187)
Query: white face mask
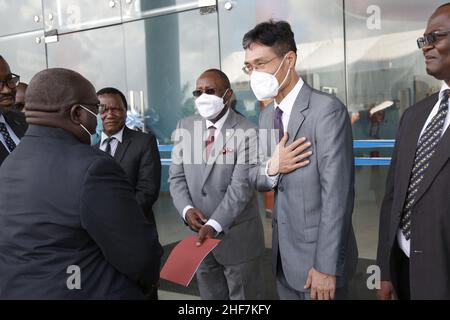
(265, 85)
(209, 106)
(91, 135)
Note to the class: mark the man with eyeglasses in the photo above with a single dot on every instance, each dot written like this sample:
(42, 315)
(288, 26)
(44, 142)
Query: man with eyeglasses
(12, 124)
(136, 152)
(414, 243)
(210, 188)
(314, 247)
(71, 225)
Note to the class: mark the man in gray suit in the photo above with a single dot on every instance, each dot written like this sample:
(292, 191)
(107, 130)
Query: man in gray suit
(210, 187)
(314, 247)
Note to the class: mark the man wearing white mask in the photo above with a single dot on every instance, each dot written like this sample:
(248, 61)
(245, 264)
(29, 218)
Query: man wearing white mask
(314, 247)
(209, 184)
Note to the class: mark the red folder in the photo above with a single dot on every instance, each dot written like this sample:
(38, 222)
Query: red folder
(185, 259)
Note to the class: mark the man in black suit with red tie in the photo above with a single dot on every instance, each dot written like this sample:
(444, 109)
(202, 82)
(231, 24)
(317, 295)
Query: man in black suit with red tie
(12, 124)
(414, 239)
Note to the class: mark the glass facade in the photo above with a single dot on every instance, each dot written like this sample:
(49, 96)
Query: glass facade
(362, 51)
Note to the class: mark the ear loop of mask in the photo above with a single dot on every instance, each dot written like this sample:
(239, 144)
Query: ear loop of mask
(225, 103)
(87, 131)
(287, 74)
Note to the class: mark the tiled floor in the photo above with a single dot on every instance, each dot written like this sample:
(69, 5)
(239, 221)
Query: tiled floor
(369, 186)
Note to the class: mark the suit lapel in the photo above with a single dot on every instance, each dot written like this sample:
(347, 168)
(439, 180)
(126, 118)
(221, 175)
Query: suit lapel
(408, 149)
(122, 147)
(298, 112)
(219, 144)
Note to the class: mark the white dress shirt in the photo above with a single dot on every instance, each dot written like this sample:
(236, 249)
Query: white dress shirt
(10, 131)
(218, 125)
(286, 106)
(404, 244)
(114, 142)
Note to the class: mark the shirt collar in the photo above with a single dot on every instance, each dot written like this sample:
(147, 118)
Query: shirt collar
(219, 124)
(288, 102)
(2, 118)
(118, 136)
(443, 88)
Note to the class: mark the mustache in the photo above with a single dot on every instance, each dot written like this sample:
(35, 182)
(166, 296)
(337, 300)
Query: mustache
(5, 96)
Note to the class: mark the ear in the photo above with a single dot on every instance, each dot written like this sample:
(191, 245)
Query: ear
(292, 58)
(75, 114)
(229, 94)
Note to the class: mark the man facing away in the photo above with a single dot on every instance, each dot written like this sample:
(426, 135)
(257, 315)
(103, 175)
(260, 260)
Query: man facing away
(71, 225)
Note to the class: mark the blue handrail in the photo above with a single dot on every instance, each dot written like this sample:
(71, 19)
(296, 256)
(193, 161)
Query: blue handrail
(357, 144)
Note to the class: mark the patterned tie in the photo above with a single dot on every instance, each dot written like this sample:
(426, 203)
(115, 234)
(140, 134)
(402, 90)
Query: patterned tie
(425, 149)
(210, 141)
(278, 122)
(9, 141)
(108, 146)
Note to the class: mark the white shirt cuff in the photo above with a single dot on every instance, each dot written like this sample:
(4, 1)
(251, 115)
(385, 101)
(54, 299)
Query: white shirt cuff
(185, 210)
(272, 179)
(215, 225)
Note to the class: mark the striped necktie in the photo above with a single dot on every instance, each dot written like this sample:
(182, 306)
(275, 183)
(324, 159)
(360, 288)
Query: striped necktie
(425, 149)
(108, 145)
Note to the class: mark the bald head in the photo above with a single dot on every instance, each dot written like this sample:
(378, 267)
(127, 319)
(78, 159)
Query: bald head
(55, 90)
(63, 99)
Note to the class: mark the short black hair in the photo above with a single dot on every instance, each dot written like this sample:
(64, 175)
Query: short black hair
(444, 5)
(275, 34)
(222, 76)
(110, 90)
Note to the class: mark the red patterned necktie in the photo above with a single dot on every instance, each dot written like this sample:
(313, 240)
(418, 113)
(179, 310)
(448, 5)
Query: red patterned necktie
(210, 141)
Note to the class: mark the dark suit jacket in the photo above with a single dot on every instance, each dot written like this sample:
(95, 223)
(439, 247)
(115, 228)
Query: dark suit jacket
(16, 120)
(65, 203)
(430, 220)
(138, 155)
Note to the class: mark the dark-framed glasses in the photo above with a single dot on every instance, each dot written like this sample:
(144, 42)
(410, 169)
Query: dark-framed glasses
(431, 38)
(11, 82)
(197, 93)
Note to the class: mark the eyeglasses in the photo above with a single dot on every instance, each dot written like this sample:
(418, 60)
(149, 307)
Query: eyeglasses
(104, 109)
(248, 68)
(431, 38)
(97, 106)
(11, 83)
(197, 93)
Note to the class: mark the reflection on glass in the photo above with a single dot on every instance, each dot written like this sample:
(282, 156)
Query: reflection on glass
(164, 57)
(138, 9)
(384, 63)
(20, 16)
(75, 15)
(23, 54)
(318, 29)
(96, 54)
